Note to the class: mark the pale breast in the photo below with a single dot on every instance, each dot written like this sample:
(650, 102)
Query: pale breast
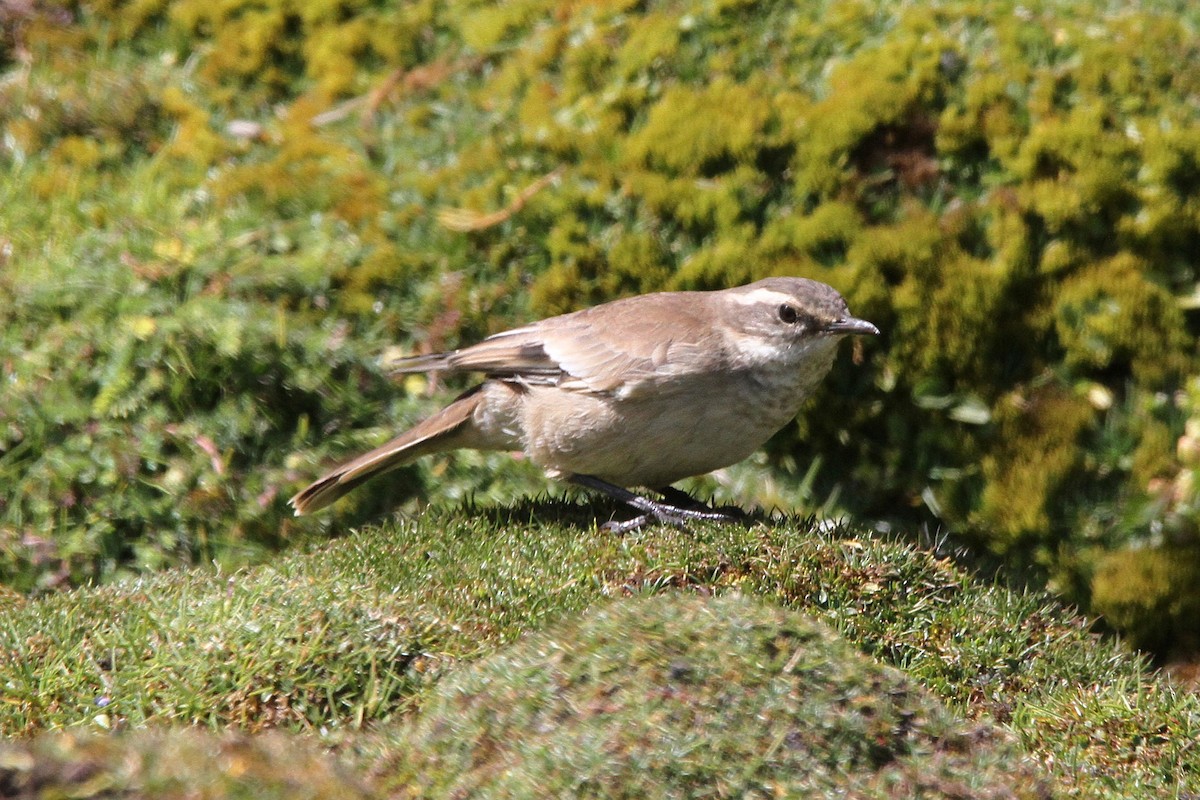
(704, 423)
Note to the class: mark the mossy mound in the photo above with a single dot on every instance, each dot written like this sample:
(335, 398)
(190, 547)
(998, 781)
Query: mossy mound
(354, 632)
(217, 218)
(668, 696)
(681, 696)
(349, 641)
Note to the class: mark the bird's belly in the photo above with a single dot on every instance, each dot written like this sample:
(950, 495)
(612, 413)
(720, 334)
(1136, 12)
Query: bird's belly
(654, 440)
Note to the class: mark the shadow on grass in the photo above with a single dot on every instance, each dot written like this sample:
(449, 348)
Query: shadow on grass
(590, 512)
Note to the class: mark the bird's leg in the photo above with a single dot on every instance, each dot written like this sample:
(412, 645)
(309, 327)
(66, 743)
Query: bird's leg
(666, 513)
(682, 499)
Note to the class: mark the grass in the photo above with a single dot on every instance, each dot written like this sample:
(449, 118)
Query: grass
(419, 646)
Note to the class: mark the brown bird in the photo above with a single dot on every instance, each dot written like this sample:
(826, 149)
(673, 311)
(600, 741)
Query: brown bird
(643, 391)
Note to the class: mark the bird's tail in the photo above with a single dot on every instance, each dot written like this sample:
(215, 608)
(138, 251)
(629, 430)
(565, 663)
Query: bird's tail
(437, 433)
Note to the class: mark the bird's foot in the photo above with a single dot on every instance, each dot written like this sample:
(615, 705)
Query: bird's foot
(681, 499)
(666, 513)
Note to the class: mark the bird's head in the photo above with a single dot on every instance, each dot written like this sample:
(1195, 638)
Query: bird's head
(783, 318)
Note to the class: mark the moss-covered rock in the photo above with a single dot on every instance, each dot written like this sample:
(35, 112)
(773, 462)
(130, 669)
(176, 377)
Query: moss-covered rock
(680, 696)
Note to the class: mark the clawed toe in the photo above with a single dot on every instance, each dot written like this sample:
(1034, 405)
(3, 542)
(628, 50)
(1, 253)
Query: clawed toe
(672, 513)
(664, 515)
(626, 526)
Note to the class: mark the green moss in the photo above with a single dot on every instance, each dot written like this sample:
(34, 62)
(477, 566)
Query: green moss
(699, 698)
(1077, 172)
(823, 235)
(651, 44)
(638, 260)
(195, 143)
(1038, 435)
(877, 88)
(1152, 460)
(985, 116)
(1110, 316)
(1168, 185)
(696, 131)
(936, 292)
(306, 172)
(1154, 594)
(485, 26)
(727, 258)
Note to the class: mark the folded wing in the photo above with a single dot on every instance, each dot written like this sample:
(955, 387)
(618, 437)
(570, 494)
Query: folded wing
(625, 347)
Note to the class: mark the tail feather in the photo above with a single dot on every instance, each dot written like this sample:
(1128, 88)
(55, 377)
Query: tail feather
(434, 434)
(434, 362)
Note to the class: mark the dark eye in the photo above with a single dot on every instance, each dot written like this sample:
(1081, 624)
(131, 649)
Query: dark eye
(788, 314)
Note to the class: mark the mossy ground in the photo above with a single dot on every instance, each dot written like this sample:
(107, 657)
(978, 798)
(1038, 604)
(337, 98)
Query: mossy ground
(215, 220)
(926, 679)
(683, 695)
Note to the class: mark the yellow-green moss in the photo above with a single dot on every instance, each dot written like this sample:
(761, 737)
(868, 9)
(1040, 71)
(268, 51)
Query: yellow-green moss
(1110, 316)
(654, 39)
(825, 234)
(305, 171)
(1038, 436)
(1153, 595)
(875, 88)
(691, 130)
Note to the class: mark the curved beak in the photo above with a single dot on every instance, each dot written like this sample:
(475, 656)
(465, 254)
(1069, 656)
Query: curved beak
(851, 325)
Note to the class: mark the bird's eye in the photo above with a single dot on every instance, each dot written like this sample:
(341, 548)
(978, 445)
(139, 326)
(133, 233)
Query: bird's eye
(788, 314)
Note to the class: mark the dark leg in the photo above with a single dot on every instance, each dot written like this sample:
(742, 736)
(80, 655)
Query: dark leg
(679, 498)
(652, 510)
(682, 499)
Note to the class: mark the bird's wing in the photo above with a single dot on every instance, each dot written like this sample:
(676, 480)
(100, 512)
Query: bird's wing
(515, 353)
(624, 347)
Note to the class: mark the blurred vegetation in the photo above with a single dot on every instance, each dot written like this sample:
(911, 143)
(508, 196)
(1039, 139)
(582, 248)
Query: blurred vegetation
(179, 763)
(497, 650)
(214, 218)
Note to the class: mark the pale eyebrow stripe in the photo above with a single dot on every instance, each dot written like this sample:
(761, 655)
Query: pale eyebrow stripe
(761, 296)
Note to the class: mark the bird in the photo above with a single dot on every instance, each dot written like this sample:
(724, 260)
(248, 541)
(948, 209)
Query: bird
(635, 393)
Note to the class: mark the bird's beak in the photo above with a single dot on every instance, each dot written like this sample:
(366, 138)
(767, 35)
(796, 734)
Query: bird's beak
(851, 325)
